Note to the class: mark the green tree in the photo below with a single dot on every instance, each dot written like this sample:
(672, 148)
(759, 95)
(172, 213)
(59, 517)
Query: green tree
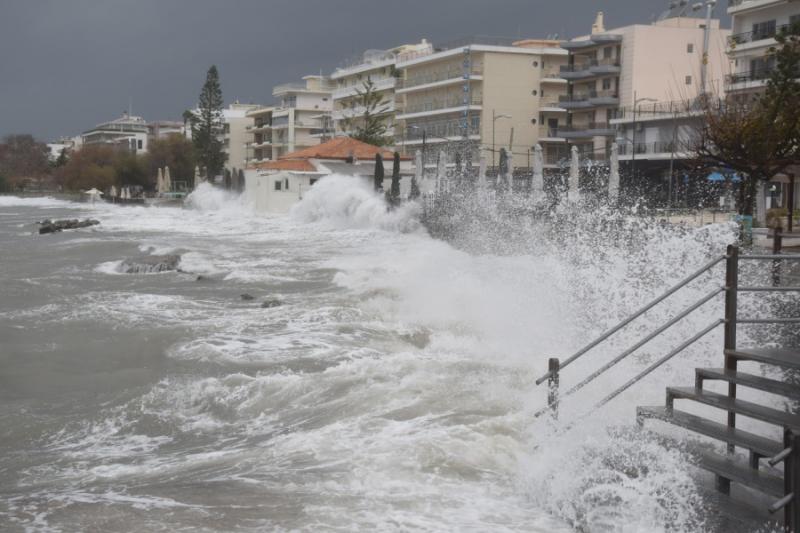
(91, 166)
(173, 151)
(23, 159)
(62, 158)
(207, 126)
(130, 169)
(369, 127)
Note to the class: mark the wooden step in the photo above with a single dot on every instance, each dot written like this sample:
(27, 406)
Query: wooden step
(737, 514)
(753, 410)
(742, 474)
(744, 439)
(750, 380)
(782, 357)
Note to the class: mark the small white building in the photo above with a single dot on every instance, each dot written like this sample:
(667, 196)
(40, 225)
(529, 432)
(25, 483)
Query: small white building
(275, 186)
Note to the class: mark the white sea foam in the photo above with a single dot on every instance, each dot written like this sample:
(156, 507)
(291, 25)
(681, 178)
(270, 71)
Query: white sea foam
(46, 201)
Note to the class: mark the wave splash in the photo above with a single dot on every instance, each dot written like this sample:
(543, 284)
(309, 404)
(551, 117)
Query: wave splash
(207, 197)
(347, 202)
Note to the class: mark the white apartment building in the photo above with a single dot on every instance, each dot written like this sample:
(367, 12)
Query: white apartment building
(161, 129)
(482, 89)
(378, 66)
(128, 131)
(755, 24)
(301, 118)
(623, 82)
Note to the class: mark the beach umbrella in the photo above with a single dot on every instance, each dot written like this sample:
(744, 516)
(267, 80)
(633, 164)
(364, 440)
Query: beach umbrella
(167, 180)
(396, 177)
(113, 191)
(159, 181)
(94, 194)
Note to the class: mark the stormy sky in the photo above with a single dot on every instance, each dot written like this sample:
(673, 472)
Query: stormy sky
(66, 65)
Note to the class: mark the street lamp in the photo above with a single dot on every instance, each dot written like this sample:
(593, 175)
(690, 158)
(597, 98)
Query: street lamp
(494, 121)
(636, 103)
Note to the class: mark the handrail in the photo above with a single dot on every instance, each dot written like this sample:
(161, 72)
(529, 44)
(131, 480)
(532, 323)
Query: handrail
(594, 375)
(635, 315)
(660, 362)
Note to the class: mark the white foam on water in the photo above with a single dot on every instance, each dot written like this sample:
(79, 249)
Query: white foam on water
(15, 201)
(393, 389)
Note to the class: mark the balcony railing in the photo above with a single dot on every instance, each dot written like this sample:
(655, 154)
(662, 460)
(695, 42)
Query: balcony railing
(587, 66)
(455, 72)
(589, 129)
(586, 97)
(760, 74)
(439, 129)
(548, 131)
(659, 147)
(350, 90)
(435, 105)
(760, 35)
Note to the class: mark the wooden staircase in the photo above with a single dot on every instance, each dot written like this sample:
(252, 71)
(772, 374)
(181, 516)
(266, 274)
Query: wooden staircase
(758, 473)
(770, 477)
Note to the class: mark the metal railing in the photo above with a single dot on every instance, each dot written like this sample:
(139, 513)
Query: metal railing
(435, 105)
(759, 74)
(752, 36)
(453, 72)
(730, 320)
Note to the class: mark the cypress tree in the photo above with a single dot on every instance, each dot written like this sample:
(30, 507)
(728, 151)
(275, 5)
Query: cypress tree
(396, 179)
(379, 172)
(207, 127)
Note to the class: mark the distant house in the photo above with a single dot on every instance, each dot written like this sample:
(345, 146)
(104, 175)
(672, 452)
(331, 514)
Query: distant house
(275, 186)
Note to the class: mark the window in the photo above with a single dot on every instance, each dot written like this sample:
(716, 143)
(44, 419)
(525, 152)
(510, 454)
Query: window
(607, 52)
(535, 92)
(688, 80)
(536, 64)
(690, 48)
(286, 184)
(606, 84)
(533, 121)
(139, 144)
(763, 30)
(312, 181)
(278, 185)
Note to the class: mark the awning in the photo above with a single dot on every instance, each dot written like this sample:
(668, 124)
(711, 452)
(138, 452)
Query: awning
(719, 176)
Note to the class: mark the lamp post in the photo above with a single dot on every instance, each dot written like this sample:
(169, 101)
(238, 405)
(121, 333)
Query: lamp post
(494, 121)
(636, 102)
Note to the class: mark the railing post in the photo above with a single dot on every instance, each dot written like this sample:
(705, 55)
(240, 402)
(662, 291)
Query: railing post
(553, 366)
(791, 481)
(731, 293)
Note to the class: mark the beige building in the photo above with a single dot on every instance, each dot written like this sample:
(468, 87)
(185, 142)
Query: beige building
(236, 134)
(301, 118)
(259, 147)
(379, 67)
(482, 90)
(613, 72)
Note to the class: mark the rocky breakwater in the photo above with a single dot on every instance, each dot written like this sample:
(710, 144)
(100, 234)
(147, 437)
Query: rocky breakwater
(54, 226)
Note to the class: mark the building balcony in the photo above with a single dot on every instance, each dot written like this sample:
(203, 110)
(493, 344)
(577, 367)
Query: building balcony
(292, 87)
(599, 39)
(441, 77)
(589, 100)
(591, 69)
(582, 131)
(652, 150)
(755, 36)
(433, 107)
(259, 127)
(751, 79)
(547, 133)
(358, 111)
(382, 84)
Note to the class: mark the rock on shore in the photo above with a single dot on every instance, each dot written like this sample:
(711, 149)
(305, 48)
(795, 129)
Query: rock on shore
(50, 226)
(150, 264)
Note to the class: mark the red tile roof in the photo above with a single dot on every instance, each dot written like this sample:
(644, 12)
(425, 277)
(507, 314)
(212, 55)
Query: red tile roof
(341, 148)
(296, 165)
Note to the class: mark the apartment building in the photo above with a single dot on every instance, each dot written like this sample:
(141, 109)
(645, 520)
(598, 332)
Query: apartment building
(755, 24)
(482, 90)
(379, 67)
(259, 148)
(614, 74)
(301, 118)
(128, 131)
(236, 134)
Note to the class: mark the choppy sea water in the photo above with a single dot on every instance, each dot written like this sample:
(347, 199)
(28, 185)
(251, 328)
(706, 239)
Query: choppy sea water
(391, 390)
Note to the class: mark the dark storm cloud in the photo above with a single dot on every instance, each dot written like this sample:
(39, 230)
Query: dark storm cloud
(66, 65)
